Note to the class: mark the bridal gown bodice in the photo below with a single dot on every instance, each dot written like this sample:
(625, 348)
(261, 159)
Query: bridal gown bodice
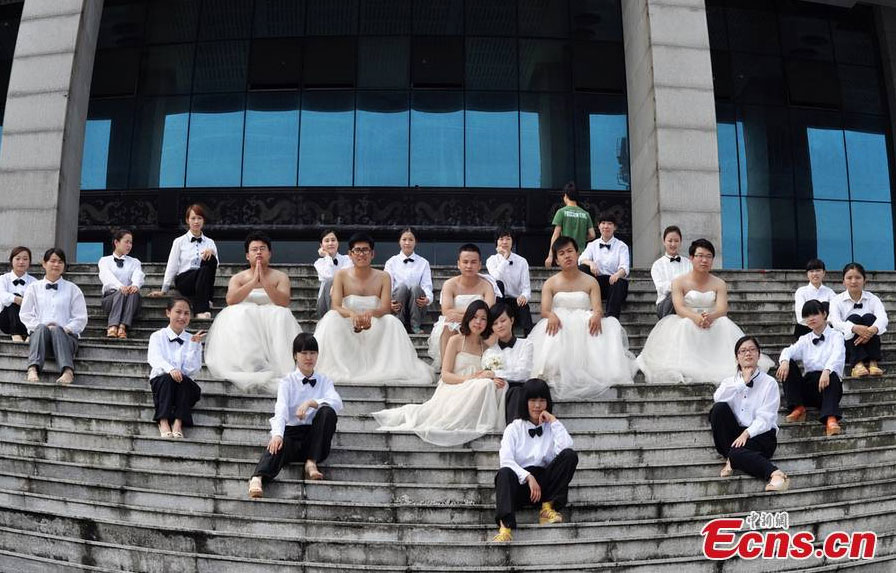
(576, 300)
(700, 301)
(360, 303)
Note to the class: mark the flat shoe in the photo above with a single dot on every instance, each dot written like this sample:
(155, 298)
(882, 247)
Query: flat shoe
(177, 435)
(166, 435)
(832, 427)
(859, 371)
(726, 471)
(875, 371)
(122, 333)
(112, 332)
(778, 483)
(255, 489)
(797, 415)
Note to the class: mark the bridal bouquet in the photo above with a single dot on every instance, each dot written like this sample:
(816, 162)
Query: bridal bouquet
(492, 360)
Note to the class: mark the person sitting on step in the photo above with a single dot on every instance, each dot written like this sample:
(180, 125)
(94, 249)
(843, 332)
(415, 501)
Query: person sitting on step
(304, 420)
(517, 357)
(511, 272)
(815, 290)
(12, 289)
(744, 419)
(537, 462)
(192, 264)
(326, 266)
(175, 356)
(122, 277)
(411, 283)
(607, 259)
(55, 314)
(666, 268)
(823, 354)
(862, 319)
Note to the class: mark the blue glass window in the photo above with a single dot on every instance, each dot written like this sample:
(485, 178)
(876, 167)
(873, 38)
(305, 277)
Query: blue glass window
(869, 171)
(726, 136)
(381, 147)
(160, 143)
(492, 140)
(326, 140)
(437, 139)
(107, 144)
(95, 164)
(546, 140)
(827, 159)
(872, 234)
(216, 141)
(816, 222)
(88, 252)
(764, 151)
(732, 240)
(602, 141)
(271, 153)
(769, 225)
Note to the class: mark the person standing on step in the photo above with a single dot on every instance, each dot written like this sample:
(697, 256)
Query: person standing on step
(12, 289)
(175, 356)
(570, 221)
(411, 283)
(815, 290)
(862, 319)
(304, 420)
(537, 462)
(511, 271)
(55, 314)
(744, 419)
(823, 355)
(667, 268)
(517, 358)
(192, 265)
(607, 260)
(122, 277)
(327, 265)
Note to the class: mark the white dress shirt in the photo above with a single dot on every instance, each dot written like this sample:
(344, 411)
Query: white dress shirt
(114, 277)
(64, 306)
(513, 272)
(292, 392)
(806, 293)
(608, 260)
(165, 355)
(326, 267)
(842, 306)
(519, 450)
(517, 360)
(828, 354)
(755, 408)
(413, 273)
(9, 291)
(186, 254)
(664, 270)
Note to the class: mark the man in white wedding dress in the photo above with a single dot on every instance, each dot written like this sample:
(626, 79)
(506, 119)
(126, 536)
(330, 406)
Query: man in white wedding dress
(250, 341)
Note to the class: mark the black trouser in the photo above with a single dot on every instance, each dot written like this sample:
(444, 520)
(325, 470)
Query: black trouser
(513, 401)
(753, 458)
(300, 443)
(870, 351)
(522, 314)
(174, 400)
(613, 295)
(554, 479)
(800, 329)
(198, 284)
(800, 390)
(9, 321)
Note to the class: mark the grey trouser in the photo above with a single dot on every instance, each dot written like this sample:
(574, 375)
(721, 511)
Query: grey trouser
(410, 314)
(122, 308)
(323, 298)
(62, 344)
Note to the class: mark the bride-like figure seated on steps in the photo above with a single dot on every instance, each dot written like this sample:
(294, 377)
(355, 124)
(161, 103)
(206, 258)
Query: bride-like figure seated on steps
(696, 343)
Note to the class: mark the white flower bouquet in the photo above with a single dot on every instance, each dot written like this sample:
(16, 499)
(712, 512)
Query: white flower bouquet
(492, 360)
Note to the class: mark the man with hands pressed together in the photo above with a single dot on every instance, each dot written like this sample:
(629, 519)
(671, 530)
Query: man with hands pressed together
(304, 419)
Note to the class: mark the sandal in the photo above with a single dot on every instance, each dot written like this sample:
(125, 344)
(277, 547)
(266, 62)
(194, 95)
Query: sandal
(177, 435)
(778, 483)
(122, 332)
(112, 332)
(726, 471)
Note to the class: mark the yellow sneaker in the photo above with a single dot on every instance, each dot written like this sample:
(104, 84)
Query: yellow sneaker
(504, 535)
(874, 369)
(859, 371)
(548, 514)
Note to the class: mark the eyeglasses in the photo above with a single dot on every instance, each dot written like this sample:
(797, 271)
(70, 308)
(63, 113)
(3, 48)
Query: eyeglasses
(361, 251)
(750, 350)
(707, 257)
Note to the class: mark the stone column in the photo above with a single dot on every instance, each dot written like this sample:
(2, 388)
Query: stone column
(672, 124)
(43, 131)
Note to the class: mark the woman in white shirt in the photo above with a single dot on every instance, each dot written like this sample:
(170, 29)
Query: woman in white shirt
(861, 317)
(326, 266)
(192, 265)
(517, 357)
(12, 288)
(815, 290)
(411, 283)
(122, 276)
(744, 419)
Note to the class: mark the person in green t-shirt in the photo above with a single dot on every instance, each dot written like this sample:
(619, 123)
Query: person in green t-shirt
(571, 221)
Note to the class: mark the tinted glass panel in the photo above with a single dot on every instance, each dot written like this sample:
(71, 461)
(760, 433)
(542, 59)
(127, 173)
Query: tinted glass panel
(770, 226)
(276, 63)
(385, 16)
(383, 62)
(107, 144)
(167, 70)
(819, 155)
(115, 72)
(332, 17)
(806, 37)
(160, 142)
(815, 221)
(602, 142)
(491, 64)
(861, 89)
(279, 18)
(763, 144)
(544, 18)
(753, 31)
(596, 20)
(271, 153)
(491, 17)
(492, 140)
(221, 67)
(437, 139)
(381, 149)
(813, 83)
(438, 17)
(544, 65)
(599, 67)
(546, 140)
(872, 234)
(866, 154)
(757, 79)
(215, 154)
(732, 242)
(326, 138)
(225, 20)
(330, 62)
(437, 62)
(122, 25)
(171, 21)
(726, 133)
(853, 37)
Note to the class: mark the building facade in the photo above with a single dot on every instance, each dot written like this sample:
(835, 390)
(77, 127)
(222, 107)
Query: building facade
(764, 126)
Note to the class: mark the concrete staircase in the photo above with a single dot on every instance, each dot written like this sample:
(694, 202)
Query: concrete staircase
(87, 484)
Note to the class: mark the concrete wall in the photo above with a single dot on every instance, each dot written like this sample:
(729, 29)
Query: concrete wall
(43, 134)
(672, 124)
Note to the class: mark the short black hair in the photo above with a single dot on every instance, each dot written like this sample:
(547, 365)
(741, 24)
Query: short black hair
(471, 311)
(608, 217)
(561, 242)
(813, 307)
(504, 232)
(740, 342)
(55, 251)
(469, 248)
(570, 191)
(360, 238)
(500, 308)
(408, 230)
(534, 388)
(815, 265)
(701, 244)
(304, 342)
(257, 236)
(176, 299)
(671, 229)
(853, 266)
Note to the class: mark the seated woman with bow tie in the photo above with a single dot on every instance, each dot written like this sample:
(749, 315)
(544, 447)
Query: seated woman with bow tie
(327, 265)
(537, 462)
(861, 317)
(12, 289)
(122, 276)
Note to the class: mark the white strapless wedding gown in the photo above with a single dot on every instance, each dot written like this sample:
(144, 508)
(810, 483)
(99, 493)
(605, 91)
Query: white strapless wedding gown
(456, 413)
(573, 362)
(382, 354)
(677, 350)
(461, 302)
(250, 343)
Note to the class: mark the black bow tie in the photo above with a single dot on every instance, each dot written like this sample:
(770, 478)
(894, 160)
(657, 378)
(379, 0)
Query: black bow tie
(603, 246)
(335, 261)
(195, 239)
(408, 260)
(817, 340)
(54, 286)
(307, 380)
(535, 431)
(177, 340)
(674, 259)
(750, 383)
(19, 282)
(857, 305)
(510, 263)
(508, 344)
(119, 262)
